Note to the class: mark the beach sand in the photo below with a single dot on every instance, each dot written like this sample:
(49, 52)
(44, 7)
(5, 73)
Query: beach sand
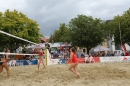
(95, 74)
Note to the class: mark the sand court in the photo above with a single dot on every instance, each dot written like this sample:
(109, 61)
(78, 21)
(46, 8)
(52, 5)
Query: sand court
(95, 74)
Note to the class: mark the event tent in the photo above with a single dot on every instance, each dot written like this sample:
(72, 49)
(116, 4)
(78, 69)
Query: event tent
(100, 48)
(42, 45)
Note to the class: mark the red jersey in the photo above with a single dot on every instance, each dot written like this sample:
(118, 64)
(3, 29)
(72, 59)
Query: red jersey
(74, 58)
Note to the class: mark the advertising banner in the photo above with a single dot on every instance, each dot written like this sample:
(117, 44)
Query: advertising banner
(110, 59)
(63, 61)
(55, 61)
(22, 62)
(125, 58)
(96, 59)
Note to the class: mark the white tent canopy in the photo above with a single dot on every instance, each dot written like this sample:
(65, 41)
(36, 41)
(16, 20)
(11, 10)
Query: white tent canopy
(58, 44)
(36, 46)
(43, 45)
(100, 48)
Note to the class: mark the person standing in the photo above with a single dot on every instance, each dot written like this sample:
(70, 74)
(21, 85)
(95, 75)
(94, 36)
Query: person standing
(73, 58)
(3, 62)
(40, 52)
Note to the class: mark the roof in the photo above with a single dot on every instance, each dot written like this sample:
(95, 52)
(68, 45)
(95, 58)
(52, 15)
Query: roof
(45, 39)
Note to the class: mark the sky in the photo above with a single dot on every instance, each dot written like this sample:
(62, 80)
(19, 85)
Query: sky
(50, 13)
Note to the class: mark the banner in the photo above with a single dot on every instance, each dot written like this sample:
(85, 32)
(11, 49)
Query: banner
(124, 48)
(125, 58)
(110, 59)
(55, 61)
(63, 61)
(22, 62)
(96, 59)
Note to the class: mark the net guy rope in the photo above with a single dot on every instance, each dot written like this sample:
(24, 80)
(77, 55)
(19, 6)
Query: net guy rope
(16, 37)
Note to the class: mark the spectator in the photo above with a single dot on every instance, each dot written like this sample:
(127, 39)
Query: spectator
(90, 59)
(122, 54)
(86, 57)
(126, 53)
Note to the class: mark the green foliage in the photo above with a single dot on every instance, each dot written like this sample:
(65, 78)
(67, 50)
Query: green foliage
(61, 35)
(20, 25)
(86, 31)
(121, 23)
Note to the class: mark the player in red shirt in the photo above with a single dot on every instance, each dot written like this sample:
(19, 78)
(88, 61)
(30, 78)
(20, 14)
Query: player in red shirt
(73, 58)
(40, 52)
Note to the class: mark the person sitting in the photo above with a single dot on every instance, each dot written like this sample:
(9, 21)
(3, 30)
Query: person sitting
(86, 57)
(90, 59)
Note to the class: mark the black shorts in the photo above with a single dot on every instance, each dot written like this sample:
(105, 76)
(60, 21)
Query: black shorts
(1, 63)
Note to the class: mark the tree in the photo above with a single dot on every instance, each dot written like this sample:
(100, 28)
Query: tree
(20, 25)
(86, 31)
(120, 26)
(61, 35)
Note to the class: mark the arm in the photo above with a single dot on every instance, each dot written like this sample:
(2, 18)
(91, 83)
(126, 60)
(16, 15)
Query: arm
(7, 58)
(70, 58)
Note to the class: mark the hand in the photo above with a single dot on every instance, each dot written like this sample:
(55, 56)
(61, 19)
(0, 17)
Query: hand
(67, 60)
(7, 60)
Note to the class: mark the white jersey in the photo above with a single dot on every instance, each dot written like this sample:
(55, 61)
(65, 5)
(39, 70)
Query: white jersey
(86, 57)
(91, 58)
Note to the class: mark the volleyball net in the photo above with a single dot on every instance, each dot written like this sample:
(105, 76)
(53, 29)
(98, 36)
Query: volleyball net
(25, 58)
(21, 57)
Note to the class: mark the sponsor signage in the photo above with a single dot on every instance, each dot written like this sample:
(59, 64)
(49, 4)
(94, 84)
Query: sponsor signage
(110, 59)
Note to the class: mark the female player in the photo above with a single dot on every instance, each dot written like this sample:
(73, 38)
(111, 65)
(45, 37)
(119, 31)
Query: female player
(3, 62)
(73, 58)
(40, 52)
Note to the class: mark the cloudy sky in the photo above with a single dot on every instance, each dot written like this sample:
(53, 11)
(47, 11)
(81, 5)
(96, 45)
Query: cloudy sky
(50, 13)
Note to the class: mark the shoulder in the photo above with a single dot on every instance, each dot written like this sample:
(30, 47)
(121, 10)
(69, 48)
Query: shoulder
(72, 53)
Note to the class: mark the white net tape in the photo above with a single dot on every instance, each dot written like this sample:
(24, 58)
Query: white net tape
(17, 53)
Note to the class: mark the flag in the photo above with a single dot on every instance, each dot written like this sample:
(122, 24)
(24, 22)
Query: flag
(123, 46)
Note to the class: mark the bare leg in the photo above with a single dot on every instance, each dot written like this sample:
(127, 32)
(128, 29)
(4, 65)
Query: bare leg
(1, 68)
(77, 71)
(43, 64)
(71, 68)
(39, 64)
(7, 69)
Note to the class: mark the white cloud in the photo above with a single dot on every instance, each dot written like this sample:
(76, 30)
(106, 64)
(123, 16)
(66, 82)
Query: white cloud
(50, 13)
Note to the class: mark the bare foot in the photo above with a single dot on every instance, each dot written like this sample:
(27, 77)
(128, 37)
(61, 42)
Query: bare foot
(45, 69)
(78, 75)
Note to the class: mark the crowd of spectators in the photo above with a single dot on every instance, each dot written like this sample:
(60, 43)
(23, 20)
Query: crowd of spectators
(64, 53)
(115, 53)
(55, 54)
(108, 53)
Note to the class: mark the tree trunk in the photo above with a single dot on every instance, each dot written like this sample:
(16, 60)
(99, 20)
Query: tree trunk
(88, 50)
